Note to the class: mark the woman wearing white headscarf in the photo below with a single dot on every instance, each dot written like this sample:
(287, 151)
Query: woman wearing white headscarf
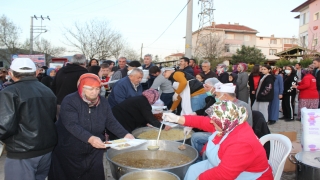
(233, 150)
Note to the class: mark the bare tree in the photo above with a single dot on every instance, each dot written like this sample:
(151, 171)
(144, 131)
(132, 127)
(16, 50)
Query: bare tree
(211, 46)
(9, 38)
(130, 54)
(95, 39)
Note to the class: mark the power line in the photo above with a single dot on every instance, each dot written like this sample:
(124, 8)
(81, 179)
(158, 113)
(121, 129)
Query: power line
(169, 24)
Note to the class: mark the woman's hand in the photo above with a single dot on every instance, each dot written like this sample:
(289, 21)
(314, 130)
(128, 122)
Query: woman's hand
(166, 128)
(170, 117)
(253, 92)
(280, 96)
(96, 142)
(129, 136)
(294, 86)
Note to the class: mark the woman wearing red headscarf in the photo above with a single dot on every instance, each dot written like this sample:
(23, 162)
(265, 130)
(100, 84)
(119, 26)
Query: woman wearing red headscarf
(136, 112)
(83, 118)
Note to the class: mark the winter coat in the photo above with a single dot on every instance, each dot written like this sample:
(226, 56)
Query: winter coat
(133, 113)
(74, 157)
(266, 91)
(308, 87)
(224, 77)
(66, 79)
(242, 83)
(27, 111)
(122, 90)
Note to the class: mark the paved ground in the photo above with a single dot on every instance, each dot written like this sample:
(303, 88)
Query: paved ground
(278, 127)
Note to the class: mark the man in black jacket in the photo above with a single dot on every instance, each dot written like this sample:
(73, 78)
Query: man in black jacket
(67, 77)
(27, 111)
(184, 66)
(316, 74)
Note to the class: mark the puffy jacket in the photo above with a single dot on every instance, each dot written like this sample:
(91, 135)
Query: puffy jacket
(194, 84)
(27, 111)
(308, 87)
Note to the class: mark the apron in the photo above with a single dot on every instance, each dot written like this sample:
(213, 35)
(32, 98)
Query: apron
(213, 160)
(185, 99)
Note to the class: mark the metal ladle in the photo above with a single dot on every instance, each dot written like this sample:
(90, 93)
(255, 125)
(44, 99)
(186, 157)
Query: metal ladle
(156, 147)
(182, 146)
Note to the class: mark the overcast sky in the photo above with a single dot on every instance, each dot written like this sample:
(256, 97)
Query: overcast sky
(143, 21)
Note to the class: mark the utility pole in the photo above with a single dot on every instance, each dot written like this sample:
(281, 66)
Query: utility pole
(37, 30)
(188, 44)
(141, 52)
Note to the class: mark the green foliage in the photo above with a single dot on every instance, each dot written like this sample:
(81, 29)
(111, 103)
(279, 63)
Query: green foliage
(230, 68)
(305, 62)
(249, 55)
(283, 62)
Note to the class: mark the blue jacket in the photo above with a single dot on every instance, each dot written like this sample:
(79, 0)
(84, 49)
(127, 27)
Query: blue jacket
(122, 90)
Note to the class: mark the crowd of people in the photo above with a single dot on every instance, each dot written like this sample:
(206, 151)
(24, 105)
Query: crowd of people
(55, 121)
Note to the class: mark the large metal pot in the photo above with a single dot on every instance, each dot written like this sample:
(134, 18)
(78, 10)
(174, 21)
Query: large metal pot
(149, 174)
(138, 131)
(308, 165)
(118, 170)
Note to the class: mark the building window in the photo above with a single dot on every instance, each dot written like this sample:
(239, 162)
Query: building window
(273, 41)
(316, 16)
(304, 39)
(272, 51)
(304, 18)
(229, 36)
(315, 42)
(1, 63)
(227, 47)
(261, 38)
(246, 38)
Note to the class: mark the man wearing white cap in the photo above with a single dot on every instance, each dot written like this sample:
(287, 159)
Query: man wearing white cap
(226, 92)
(27, 111)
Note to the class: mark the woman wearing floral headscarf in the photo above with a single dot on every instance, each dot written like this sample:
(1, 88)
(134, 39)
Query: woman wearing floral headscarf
(83, 118)
(223, 75)
(242, 82)
(136, 112)
(233, 150)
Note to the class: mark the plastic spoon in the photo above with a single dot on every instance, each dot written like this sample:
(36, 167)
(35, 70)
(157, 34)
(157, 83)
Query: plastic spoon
(182, 146)
(156, 147)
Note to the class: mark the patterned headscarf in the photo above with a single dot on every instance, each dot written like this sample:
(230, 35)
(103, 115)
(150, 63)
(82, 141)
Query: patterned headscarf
(227, 115)
(152, 95)
(88, 80)
(243, 67)
(221, 68)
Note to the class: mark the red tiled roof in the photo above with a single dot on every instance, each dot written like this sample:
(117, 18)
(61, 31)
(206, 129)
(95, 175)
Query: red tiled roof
(231, 27)
(234, 27)
(301, 6)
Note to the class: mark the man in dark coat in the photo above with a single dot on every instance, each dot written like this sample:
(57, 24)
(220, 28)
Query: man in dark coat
(27, 111)
(206, 71)
(184, 66)
(67, 77)
(126, 87)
